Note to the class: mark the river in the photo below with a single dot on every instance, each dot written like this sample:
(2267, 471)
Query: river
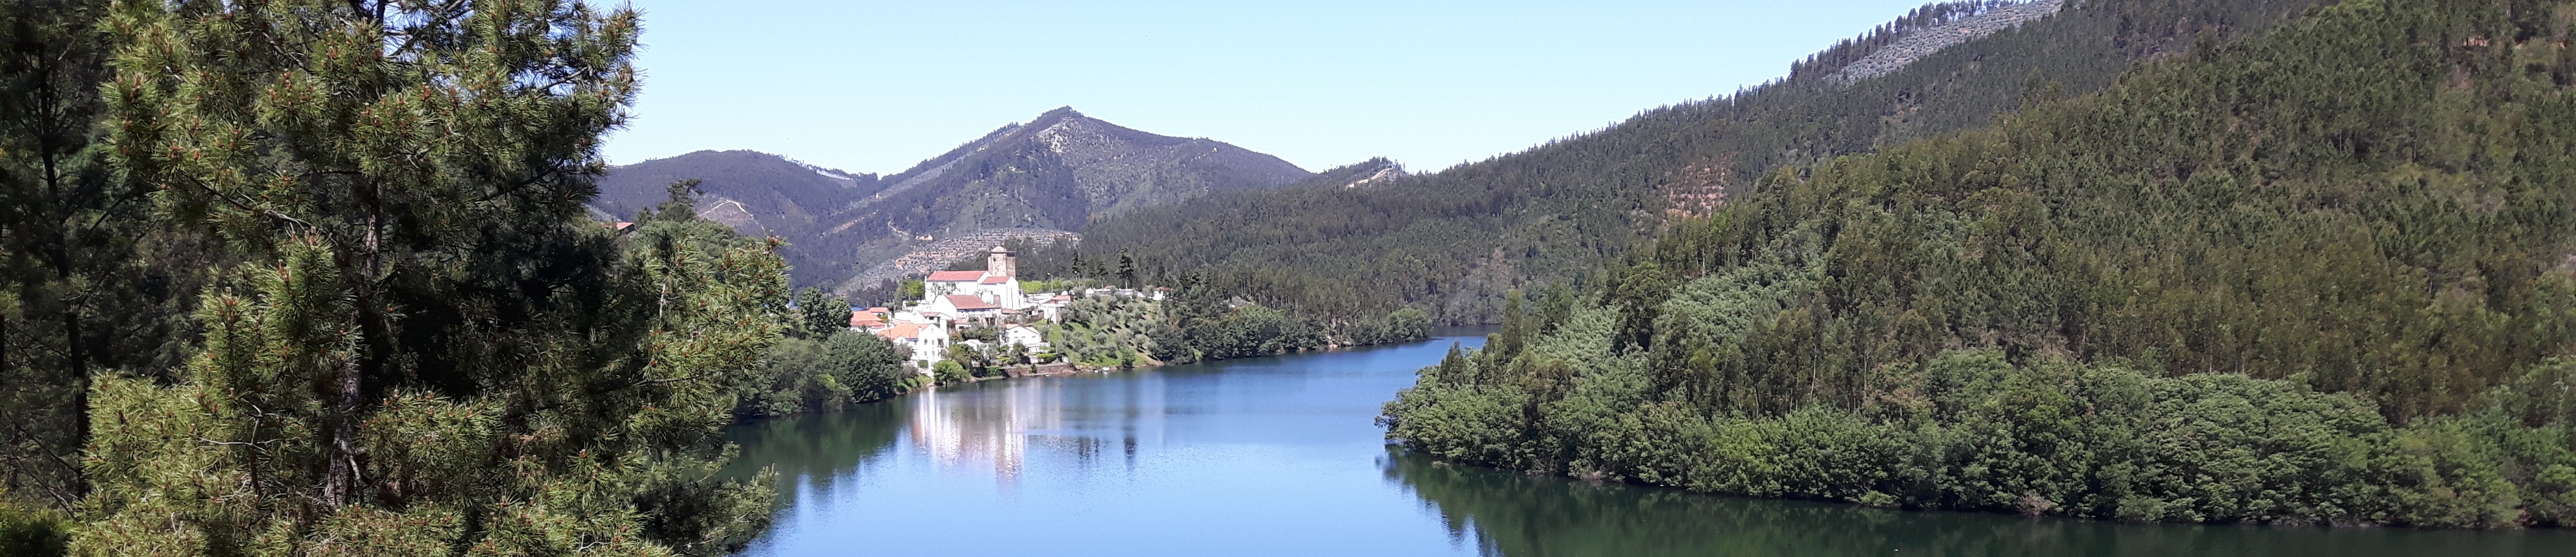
(1278, 456)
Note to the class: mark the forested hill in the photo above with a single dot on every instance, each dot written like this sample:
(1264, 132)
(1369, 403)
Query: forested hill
(752, 191)
(2321, 275)
(1454, 241)
(1055, 172)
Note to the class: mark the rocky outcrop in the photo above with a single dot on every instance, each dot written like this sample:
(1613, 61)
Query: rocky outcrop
(1923, 42)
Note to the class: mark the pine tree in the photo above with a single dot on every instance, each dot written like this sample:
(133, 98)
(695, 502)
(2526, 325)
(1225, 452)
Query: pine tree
(425, 348)
(87, 283)
(821, 314)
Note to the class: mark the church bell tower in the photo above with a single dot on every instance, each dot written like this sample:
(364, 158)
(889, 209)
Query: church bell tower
(1000, 263)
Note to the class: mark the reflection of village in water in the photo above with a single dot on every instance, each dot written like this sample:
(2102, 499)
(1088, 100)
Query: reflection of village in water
(980, 425)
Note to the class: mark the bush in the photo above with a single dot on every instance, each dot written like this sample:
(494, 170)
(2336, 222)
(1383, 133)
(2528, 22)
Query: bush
(32, 530)
(947, 372)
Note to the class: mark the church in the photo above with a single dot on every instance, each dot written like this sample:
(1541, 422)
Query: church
(976, 296)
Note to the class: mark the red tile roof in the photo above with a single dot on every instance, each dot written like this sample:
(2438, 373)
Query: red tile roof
(970, 303)
(865, 319)
(997, 279)
(956, 276)
(900, 331)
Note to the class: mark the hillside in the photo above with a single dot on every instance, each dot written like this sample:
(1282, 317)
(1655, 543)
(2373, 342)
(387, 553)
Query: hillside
(768, 192)
(1453, 242)
(1108, 167)
(2316, 275)
(1057, 172)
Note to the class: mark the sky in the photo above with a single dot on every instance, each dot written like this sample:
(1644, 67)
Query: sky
(868, 86)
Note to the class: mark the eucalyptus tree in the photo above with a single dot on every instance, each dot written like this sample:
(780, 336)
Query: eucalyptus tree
(424, 348)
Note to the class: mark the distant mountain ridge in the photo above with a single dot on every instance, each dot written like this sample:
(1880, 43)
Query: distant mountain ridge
(1054, 173)
(749, 190)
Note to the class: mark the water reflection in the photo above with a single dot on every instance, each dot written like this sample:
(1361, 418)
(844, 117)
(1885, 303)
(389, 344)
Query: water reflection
(993, 425)
(1516, 515)
(811, 452)
(956, 429)
(1246, 457)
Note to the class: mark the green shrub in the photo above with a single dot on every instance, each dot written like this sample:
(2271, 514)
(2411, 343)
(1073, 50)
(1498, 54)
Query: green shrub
(32, 530)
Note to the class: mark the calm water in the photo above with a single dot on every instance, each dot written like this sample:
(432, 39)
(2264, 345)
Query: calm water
(1277, 456)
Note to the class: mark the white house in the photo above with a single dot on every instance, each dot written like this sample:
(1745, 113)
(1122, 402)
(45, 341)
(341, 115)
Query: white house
(929, 343)
(961, 308)
(1050, 306)
(1023, 335)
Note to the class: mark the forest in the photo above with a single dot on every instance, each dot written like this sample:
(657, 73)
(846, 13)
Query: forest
(1453, 242)
(2315, 275)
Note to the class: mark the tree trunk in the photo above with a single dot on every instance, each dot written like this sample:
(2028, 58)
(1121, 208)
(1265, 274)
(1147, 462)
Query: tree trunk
(62, 222)
(343, 476)
(340, 484)
(9, 479)
(4, 345)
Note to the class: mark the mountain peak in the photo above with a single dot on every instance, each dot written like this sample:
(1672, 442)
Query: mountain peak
(1062, 112)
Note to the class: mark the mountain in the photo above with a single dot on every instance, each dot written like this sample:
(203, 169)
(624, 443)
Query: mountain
(1065, 154)
(1454, 242)
(2317, 272)
(748, 190)
(1039, 179)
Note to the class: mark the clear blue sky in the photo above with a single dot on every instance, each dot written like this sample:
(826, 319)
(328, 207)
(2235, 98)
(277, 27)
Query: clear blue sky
(871, 86)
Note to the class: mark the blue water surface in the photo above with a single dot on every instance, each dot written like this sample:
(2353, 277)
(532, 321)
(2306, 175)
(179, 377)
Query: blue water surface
(1280, 456)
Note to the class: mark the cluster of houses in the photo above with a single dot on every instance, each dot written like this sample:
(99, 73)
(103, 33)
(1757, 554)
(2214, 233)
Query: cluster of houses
(953, 302)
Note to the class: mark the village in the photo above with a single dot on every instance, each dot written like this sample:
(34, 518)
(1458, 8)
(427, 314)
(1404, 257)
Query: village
(983, 313)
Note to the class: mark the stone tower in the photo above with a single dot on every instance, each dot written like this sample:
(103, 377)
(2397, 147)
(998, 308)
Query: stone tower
(1000, 263)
